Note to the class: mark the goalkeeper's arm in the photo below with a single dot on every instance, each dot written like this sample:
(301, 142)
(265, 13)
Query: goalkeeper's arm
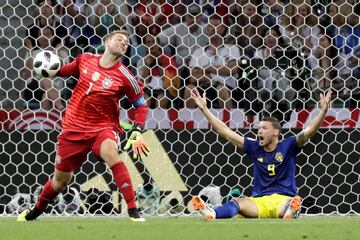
(70, 69)
(135, 139)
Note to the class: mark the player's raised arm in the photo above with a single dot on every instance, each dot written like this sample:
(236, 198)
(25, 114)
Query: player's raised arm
(315, 124)
(70, 69)
(218, 125)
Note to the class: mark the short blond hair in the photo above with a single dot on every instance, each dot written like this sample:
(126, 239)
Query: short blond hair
(120, 31)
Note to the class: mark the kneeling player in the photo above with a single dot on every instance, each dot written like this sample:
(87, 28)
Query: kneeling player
(274, 189)
(271, 206)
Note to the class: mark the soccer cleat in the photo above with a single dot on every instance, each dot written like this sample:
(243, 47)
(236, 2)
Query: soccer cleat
(293, 209)
(22, 216)
(135, 215)
(29, 215)
(199, 205)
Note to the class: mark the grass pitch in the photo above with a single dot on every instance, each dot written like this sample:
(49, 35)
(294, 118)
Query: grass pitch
(173, 228)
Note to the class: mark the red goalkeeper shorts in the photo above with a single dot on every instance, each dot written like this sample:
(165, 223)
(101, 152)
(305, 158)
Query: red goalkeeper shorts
(73, 147)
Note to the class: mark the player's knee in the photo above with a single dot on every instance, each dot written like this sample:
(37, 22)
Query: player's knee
(109, 156)
(109, 152)
(247, 208)
(237, 199)
(60, 181)
(59, 185)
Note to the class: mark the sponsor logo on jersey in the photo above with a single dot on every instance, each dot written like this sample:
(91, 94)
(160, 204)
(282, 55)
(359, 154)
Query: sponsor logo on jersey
(279, 157)
(95, 76)
(260, 159)
(84, 71)
(107, 82)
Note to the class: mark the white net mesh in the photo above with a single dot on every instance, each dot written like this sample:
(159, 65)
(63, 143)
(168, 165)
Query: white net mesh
(252, 58)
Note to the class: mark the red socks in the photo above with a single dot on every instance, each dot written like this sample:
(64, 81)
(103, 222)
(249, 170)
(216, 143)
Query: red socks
(123, 181)
(121, 178)
(47, 194)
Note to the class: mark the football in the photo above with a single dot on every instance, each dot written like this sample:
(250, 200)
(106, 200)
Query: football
(46, 64)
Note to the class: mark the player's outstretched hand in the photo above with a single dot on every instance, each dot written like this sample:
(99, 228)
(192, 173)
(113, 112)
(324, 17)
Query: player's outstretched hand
(199, 100)
(137, 143)
(325, 101)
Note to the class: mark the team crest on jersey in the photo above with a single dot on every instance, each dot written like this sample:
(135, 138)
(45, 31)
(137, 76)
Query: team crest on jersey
(107, 82)
(57, 159)
(279, 157)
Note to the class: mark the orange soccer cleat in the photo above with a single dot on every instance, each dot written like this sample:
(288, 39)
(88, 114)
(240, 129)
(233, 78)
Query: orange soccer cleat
(293, 209)
(199, 205)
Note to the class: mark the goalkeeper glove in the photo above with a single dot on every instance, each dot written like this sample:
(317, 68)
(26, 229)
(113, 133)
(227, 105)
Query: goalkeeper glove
(137, 142)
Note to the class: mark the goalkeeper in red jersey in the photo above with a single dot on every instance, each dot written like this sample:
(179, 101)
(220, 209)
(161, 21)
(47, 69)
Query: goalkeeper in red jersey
(91, 122)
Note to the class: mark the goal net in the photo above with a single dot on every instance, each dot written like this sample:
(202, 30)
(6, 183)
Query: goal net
(253, 58)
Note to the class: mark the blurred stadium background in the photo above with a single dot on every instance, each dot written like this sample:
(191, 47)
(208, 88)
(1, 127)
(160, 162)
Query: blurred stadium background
(314, 47)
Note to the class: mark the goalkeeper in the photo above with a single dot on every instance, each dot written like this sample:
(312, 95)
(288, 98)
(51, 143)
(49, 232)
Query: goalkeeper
(274, 192)
(91, 122)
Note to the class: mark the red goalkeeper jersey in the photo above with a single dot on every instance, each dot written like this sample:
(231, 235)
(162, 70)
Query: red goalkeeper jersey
(94, 104)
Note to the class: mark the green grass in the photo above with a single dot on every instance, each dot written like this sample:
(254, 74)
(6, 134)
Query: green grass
(173, 228)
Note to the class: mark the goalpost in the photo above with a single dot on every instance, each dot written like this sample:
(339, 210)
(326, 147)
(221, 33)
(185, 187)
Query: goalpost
(187, 156)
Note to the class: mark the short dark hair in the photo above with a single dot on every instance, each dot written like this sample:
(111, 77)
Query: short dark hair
(274, 122)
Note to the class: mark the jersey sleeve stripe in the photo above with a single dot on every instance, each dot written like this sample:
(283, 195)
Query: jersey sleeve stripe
(132, 80)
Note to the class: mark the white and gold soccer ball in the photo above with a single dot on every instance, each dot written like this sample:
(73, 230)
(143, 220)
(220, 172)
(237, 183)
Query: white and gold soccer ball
(46, 64)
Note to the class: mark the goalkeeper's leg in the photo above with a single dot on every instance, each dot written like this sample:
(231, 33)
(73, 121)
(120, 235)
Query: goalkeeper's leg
(109, 153)
(51, 189)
